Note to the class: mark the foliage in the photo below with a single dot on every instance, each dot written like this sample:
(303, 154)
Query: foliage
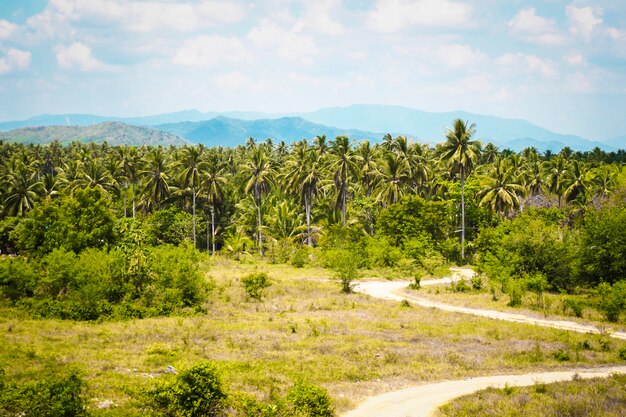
(255, 284)
(612, 299)
(196, 392)
(168, 226)
(308, 400)
(345, 267)
(52, 395)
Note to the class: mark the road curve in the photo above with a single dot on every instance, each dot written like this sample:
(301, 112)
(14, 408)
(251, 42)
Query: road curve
(391, 290)
(424, 400)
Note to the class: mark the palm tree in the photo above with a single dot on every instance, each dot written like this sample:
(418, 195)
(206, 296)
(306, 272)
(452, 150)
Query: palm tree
(394, 174)
(557, 171)
(213, 181)
(368, 171)
(22, 191)
(500, 191)
(577, 182)
(130, 161)
(260, 172)
(461, 153)
(156, 187)
(192, 166)
(343, 166)
(304, 175)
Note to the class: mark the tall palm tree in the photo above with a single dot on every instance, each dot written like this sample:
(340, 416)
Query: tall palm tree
(461, 153)
(192, 166)
(156, 187)
(368, 165)
(557, 172)
(260, 179)
(304, 175)
(213, 182)
(394, 174)
(500, 190)
(22, 191)
(577, 181)
(344, 165)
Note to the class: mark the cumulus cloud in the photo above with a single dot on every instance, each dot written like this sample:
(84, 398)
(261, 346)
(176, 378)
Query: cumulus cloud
(459, 56)
(287, 43)
(317, 17)
(529, 26)
(79, 56)
(14, 59)
(583, 20)
(209, 51)
(235, 80)
(6, 29)
(528, 63)
(139, 16)
(575, 59)
(395, 15)
(616, 34)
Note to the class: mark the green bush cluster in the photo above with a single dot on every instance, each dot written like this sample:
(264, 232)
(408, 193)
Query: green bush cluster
(54, 394)
(255, 285)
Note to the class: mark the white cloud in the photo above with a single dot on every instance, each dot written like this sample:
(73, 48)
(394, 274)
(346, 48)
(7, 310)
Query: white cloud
(616, 34)
(530, 27)
(395, 15)
(459, 56)
(288, 44)
(232, 80)
(528, 63)
(583, 20)
(79, 56)
(317, 17)
(139, 16)
(209, 51)
(6, 29)
(575, 59)
(14, 59)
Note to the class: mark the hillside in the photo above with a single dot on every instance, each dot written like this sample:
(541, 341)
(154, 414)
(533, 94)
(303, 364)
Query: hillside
(225, 131)
(115, 133)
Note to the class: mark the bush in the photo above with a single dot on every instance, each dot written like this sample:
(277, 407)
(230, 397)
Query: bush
(255, 284)
(612, 299)
(308, 400)
(299, 257)
(460, 286)
(17, 278)
(515, 291)
(575, 305)
(345, 267)
(477, 282)
(196, 392)
(57, 394)
(622, 353)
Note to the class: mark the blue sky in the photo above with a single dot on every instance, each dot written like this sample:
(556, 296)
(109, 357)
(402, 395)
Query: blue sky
(559, 64)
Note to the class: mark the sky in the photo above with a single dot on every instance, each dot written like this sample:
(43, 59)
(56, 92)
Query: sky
(558, 64)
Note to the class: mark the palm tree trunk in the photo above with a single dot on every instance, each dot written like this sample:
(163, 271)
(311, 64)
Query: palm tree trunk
(133, 200)
(462, 213)
(343, 204)
(258, 208)
(307, 209)
(125, 192)
(213, 228)
(193, 209)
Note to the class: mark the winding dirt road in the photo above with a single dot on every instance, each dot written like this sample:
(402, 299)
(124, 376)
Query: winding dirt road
(424, 400)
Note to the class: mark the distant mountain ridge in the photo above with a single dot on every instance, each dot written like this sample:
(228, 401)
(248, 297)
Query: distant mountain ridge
(114, 133)
(357, 121)
(226, 131)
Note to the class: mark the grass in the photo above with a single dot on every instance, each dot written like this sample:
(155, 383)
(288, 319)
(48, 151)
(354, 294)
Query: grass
(305, 328)
(553, 306)
(601, 397)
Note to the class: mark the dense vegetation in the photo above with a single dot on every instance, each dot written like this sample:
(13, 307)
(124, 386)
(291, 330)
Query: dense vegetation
(102, 229)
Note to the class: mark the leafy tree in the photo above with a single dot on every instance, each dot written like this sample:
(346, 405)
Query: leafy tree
(260, 179)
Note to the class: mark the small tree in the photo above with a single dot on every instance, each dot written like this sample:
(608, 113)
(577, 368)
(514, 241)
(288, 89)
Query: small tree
(345, 266)
(255, 284)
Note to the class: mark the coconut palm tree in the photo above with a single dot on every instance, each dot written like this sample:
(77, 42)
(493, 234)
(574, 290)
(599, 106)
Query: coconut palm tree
(557, 172)
(156, 187)
(577, 182)
(192, 165)
(500, 190)
(213, 182)
(260, 179)
(343, 165)
(22, 190)
(461, 153)
(394, 175)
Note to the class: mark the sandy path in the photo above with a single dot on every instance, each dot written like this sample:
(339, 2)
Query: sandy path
(392, 290)
(424, 400)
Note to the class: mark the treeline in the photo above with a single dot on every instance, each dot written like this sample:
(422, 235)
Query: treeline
(394, 203)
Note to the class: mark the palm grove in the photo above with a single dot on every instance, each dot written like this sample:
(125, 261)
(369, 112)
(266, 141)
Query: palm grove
(116, 231)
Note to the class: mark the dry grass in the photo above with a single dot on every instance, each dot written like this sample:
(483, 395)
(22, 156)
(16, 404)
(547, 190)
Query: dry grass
(353, 345)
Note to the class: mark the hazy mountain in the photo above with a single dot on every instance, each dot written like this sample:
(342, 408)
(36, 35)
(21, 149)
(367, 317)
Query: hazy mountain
(430, 127)
(115, 133)
(358, 121)
(227, 131)
(618, 142)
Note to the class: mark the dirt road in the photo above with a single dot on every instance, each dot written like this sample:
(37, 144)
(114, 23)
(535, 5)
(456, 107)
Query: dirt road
(393, 290)
(424, 400)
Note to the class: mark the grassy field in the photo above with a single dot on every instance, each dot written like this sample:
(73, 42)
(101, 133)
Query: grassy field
(603, 397)
(552, 306)
(305, 328)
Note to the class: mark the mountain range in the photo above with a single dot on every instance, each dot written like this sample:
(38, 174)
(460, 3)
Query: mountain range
(232, 128)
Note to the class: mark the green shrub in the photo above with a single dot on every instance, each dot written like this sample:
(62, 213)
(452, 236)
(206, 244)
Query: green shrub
(18, 278)
(575, 305)
(561, 355)
(53, 395)
(622, 353)
(196, 392)
(299, 257)
(344, 265)
(460, 286)
(612, 299)
(255, 284)
(308, 400)
(477, 282)
(417, 281)
(515, 291)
